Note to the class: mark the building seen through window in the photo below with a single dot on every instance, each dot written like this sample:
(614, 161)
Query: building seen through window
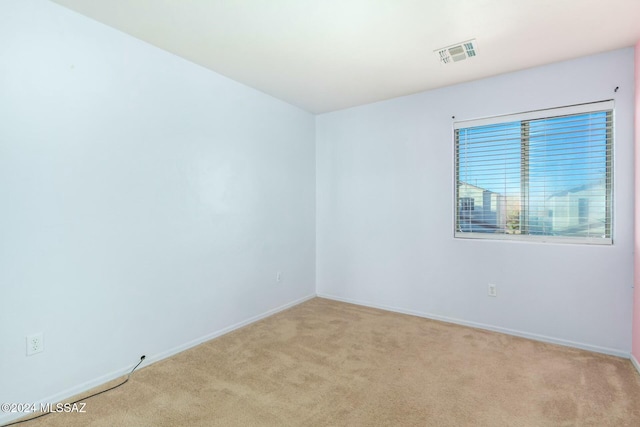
(549, 176)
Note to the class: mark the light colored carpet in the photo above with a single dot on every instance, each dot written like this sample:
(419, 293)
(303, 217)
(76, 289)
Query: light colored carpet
(326, 363)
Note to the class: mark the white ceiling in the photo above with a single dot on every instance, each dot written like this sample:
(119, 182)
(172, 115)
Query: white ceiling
(325, 55)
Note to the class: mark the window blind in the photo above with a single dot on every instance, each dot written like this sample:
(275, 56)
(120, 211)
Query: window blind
(544, 175)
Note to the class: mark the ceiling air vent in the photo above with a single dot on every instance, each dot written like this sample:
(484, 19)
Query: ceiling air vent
(457, 52)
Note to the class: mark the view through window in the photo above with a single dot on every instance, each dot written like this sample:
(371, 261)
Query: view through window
(546, 173)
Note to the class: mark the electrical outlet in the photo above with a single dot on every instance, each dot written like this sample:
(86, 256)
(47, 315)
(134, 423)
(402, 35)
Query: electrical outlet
(35, 343)
(493, 291)
(278, 276)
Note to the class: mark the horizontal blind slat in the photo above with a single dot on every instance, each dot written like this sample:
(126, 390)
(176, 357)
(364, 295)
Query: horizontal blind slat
(547, 175)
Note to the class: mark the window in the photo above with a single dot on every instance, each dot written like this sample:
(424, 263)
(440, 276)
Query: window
(544, 175)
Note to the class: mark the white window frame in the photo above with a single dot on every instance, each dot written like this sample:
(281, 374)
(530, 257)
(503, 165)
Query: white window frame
(593, 107)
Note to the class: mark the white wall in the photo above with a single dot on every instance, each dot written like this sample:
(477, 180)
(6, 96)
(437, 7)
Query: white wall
(636, 252)
(146, 202)
(384, 197)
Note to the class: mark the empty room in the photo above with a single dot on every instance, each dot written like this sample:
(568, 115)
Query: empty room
(319, 213)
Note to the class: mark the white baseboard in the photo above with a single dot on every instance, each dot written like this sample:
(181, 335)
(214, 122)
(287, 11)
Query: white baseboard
(635, 363)
(536, 337)
(6, 418)
(208, 337)
(73, 391)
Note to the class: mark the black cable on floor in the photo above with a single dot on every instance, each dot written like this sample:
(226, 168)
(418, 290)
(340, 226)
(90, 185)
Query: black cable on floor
(79, 400)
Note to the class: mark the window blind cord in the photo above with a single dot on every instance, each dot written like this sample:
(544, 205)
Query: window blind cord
(84, 398)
